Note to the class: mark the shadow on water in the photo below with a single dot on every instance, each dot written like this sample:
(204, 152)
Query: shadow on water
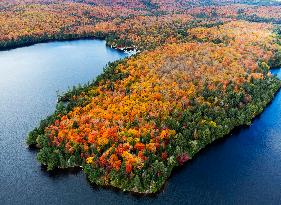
(138, 196)
(59, 173)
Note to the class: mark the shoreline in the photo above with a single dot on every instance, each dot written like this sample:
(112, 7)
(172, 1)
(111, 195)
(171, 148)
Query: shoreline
(128, 50)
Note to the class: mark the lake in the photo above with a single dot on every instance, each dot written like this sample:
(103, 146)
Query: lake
(244, 168)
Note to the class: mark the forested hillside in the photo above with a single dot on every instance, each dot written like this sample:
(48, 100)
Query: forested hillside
(148, 23)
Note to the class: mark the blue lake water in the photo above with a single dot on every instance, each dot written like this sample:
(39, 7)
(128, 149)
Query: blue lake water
(244, 168)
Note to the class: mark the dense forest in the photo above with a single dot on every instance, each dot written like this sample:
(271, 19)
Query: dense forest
(143, 24)
(203, 68)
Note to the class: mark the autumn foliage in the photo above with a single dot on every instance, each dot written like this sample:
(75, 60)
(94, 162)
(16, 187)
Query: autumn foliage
(203, 70)
(130, 24)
